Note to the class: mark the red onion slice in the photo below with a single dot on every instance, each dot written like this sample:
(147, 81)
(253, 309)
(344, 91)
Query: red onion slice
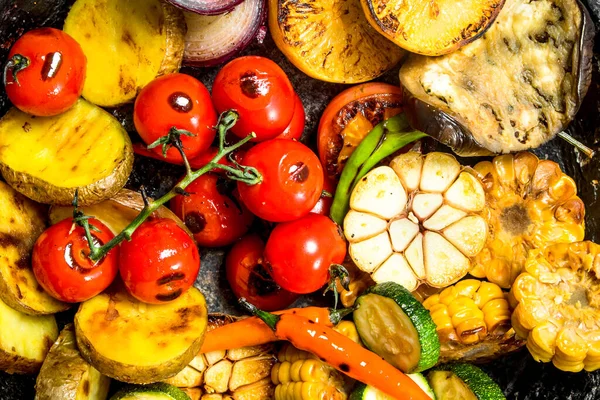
(211, 40)
(206, 7)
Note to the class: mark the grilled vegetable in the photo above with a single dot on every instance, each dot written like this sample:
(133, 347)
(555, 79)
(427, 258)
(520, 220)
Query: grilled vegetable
(65, 375)
(21, 222)
(364, 392)
(416, 221)
(432, 28)
(155, 391)
(556, 305)
(468, 101)
(24, 340)
(241, 373)
(127, 44)
(359, 282)
(47, 159)
(331, 40)
(340, 352)
(529, 204)
(463, 382)
(393, 324)
(136, 342)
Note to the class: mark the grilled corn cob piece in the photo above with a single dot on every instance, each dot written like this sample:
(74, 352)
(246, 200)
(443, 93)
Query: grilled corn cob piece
(530, 204)
(417, 221)
(238, 374)
(557, 305)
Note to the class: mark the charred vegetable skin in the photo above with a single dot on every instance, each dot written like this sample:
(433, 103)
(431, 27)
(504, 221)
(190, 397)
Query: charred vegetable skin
(466, 100)
(556, 302)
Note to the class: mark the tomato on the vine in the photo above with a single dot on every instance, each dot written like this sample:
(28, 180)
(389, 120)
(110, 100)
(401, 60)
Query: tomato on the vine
(176, 101)
(160, 262)
(292, 180)
(249, 278)
(61, 265)
(260, 91)
(299, 253)
(296, 127)
(212, 211)
(45, 72)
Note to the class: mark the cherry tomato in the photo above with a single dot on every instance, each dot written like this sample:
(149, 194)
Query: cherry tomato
(160, 262)
(61, 266)
(299, 253)
(324, 204)
(292, 180)
(260, 92)
(176, 101)
(45, 72)
(249, 278)
(212, 211)
(296, 126)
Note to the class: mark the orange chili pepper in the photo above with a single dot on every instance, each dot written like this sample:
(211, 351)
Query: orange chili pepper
(253, 332)
(340, 352)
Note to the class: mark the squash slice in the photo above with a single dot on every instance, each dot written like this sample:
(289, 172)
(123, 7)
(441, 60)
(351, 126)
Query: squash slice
(331, 40)
(127, 45)
(22, 221)
(47, 159)
(135, 342)
(431, 27)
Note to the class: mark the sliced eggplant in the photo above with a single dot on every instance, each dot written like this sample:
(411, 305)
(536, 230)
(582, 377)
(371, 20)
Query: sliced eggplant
(512, 89)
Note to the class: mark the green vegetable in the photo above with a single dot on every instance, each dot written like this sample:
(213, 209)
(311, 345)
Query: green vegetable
(384, 139)
(396, 326)
(364, 392)
(463, 381)
(155, 391)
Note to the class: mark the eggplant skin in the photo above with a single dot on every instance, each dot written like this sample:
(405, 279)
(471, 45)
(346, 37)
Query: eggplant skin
(513, 89)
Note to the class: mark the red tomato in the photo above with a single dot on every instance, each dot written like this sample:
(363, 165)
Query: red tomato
(292, 180)
(176, 101)
(61, 266)
(296, 126)
(54, 78)
(249, 278)
(323, 206)
(299, 253)
(160, 262)
(260, 92)
(212, 211)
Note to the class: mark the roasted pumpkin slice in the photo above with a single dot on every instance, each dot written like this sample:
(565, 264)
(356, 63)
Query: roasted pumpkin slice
(48, 158)
(331, 40)
(431, 27)
(127, 44)
(512, 89)
(530, 204)
(557, 305)
(136, 342)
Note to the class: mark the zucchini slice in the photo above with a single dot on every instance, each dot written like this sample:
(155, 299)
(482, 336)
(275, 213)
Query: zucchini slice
(463, 382)
(24, 340)
(65, 375)
(47, 159)
(394, 325)
(364, 392)
(135, 342)
(127, 45)
(155, 391)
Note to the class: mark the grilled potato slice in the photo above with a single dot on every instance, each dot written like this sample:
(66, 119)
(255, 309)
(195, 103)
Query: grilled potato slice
(47, 159)
(434, 27)
(22, 221)
(65, 375)
(127, 44)
(24, 340)
(136, 342)
(331, 40)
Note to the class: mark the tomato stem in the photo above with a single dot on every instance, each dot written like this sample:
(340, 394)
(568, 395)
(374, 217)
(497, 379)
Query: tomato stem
(15, 64)
(245, 174)
(337, 271)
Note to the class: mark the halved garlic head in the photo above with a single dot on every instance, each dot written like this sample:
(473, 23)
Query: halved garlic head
(417, 221)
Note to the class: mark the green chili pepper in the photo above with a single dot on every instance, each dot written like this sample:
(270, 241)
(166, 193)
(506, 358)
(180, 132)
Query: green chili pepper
(384, 139)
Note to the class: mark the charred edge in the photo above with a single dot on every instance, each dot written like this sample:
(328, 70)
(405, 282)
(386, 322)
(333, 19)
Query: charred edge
(169, 296)
(176, 276)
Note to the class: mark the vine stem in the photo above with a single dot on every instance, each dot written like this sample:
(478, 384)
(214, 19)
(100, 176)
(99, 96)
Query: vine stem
(248, 175)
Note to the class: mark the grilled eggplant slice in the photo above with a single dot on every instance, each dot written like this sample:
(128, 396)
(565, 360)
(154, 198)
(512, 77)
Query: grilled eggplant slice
(432, 28)
(135, 342)
(512, 89)
(65, 375)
